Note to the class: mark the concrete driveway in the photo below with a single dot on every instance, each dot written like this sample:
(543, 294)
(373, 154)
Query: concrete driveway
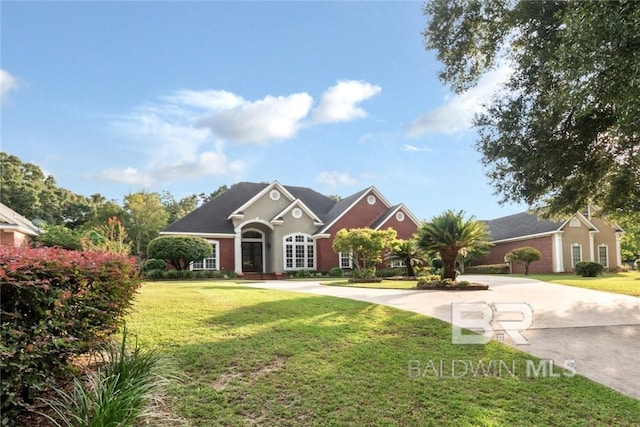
(600, 331)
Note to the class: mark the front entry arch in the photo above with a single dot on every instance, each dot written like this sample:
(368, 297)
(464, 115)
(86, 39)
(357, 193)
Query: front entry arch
(252, 251)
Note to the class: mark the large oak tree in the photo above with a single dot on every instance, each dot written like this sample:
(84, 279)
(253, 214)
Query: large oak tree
(563, 130)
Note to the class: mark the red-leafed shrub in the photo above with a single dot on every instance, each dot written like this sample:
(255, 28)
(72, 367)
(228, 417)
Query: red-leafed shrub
(55, 304)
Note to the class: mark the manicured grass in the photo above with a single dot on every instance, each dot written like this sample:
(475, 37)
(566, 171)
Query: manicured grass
(627, 283)
(385, 284)
(261, 357)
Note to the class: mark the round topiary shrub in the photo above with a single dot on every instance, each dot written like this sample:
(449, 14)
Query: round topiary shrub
(589, 269)
(154, 264)
(179, 251)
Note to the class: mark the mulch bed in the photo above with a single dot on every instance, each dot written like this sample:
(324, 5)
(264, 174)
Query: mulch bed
(471, 287)
(355, 280)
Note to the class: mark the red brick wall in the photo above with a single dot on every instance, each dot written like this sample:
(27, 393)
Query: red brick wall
(226, 254)
(405, 229)
(362, 214)
(543, 244)
(6, 238)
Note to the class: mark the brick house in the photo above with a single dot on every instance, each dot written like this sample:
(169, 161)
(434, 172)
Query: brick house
(15, 230)
(583, 237)
(273, 228)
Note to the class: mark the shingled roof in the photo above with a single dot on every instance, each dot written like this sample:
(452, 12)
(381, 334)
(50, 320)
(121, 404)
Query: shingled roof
(11, 220)
(212, 217)
(520, 225)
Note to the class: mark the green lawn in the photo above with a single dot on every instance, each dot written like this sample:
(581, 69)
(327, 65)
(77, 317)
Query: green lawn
(621, 283)
(385, 284)
(260, 357)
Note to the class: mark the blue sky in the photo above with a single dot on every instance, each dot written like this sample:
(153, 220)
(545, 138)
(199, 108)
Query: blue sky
(116, 97)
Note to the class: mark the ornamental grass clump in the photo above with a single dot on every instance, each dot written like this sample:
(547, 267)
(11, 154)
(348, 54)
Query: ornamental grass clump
(115, 394)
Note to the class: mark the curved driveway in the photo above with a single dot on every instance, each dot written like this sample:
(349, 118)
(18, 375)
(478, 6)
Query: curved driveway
(600, 331)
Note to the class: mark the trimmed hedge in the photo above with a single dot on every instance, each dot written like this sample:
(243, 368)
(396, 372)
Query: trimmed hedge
(188, 274)
(154, 264)
(487, 269)
(391, 272)
(336, 272)
(56, 304)
(589, 269)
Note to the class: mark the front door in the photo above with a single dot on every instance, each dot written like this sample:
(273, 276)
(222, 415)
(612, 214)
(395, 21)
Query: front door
(252, 257)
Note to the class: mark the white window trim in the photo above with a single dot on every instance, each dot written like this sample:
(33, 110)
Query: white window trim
(398, 264)
(573, 261)
(348, 256)
(307, 244)
(216, 258)
(606, 248)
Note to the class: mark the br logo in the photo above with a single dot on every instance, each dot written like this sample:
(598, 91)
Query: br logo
(511, 319)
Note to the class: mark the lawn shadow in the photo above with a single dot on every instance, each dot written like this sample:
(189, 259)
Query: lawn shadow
(317, 360)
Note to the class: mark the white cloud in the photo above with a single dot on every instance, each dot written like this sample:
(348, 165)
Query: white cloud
(163, 136)
(206, 164)
(183, 135)
(339, 103)
(214, 100)
(171, 147)
(7, 84)
(457, 113)
(271, 118)
(130, 176)
(413, 148)
(336, 179)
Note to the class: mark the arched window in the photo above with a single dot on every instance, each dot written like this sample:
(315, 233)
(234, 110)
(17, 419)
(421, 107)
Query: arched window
(299, 252)
(252, 234)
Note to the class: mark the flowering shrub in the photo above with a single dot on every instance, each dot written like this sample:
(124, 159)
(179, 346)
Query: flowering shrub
(55, 304)
(110, 237)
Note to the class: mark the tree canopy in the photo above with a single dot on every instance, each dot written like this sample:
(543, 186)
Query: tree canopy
(450, 234)
(365, 247)
(145, 218)
(67, 218)
(408, 252)
(179, 251)
(562, 131)
(630, 244)
(526, 255)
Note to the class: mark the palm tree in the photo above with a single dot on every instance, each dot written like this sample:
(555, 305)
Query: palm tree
(450, 233)
(408, 252)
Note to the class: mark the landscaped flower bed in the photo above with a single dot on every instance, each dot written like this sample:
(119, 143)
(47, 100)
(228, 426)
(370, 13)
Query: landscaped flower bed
(435, 282)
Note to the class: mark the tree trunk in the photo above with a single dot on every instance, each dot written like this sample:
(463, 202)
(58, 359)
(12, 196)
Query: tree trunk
(449, 264)
(410, 271)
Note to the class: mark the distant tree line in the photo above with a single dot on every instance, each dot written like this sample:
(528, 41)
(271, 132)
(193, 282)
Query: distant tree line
(66, 216)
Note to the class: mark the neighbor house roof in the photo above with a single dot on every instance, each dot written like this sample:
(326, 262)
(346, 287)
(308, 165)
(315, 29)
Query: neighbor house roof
(521, 225)
(11, 220)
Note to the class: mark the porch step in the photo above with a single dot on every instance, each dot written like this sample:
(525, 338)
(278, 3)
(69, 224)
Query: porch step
(262, 276)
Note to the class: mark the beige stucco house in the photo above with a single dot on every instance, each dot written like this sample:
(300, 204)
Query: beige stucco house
(564, 243)
(275, 229)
